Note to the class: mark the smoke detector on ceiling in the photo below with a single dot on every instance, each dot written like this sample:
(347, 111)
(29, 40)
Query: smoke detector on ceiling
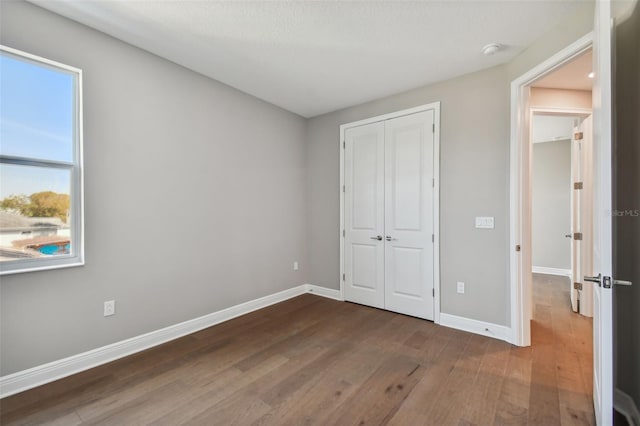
(491, 49)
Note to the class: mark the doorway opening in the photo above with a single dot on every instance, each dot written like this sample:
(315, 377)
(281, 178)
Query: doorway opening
(561, 184)
(552, 220)
(552, 224)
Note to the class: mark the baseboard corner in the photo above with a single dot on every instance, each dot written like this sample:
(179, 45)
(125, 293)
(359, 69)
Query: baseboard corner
(483, 328)
(329, 293)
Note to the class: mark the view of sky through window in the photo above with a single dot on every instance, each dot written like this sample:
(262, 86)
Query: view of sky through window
(36, 112)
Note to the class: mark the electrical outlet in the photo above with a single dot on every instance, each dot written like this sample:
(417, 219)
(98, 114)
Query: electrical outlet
(109, 308)
(295, 266)
(460, 287)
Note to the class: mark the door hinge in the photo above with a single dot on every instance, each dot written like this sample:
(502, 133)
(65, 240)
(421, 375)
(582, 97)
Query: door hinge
(578, 136)
(433, 128)
(577, 236)
(577, 286)
(433, 292)
(343, 232)
(578, 185)
(433, 182)
(343, 188)
(518, 247)
(344, 145)
(343, 277)
(433, 238)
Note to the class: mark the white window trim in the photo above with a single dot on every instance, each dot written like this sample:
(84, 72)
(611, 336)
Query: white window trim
(76, 258)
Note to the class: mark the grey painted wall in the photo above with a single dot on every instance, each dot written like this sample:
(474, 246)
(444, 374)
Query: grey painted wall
(474, 182)
(551, 204)
(627, 203)
(195, 198)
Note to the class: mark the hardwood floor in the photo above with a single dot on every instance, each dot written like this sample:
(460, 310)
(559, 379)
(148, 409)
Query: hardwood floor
(311, 360)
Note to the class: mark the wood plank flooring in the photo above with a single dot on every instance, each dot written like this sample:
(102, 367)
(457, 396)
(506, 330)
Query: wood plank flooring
(311, 360)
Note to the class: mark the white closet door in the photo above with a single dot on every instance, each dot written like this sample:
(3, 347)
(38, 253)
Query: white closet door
(409, 214)
(364, 215)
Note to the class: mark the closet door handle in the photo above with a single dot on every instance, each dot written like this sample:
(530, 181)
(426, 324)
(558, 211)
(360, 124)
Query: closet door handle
(388, 238)
(378, 237)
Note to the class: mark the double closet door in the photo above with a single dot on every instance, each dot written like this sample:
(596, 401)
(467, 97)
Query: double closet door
(389, 214)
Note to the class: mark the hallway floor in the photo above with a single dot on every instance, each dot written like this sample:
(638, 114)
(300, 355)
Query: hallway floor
(561, 355)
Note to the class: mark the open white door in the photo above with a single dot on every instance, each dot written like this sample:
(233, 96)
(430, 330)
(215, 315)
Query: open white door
(582, 223)
(576, 214)
(602, 236)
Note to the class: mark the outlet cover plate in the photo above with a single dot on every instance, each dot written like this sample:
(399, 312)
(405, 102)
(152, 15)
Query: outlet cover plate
(485, 222)
(109, 308)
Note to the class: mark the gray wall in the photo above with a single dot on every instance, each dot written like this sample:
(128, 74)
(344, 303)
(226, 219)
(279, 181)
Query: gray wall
(627, 203)
(551, 204)
(195, 198)
(474, 182)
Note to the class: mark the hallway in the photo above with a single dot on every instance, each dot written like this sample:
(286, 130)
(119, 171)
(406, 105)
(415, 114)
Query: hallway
(561, 355)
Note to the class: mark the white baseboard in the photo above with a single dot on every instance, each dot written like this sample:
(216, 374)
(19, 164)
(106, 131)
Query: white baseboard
(39, 375)
(551, 271)
(496, 331)
(626, 406)
(324, 292)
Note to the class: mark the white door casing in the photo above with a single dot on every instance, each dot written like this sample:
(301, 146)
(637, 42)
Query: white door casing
(602, 244)
(520, 189)
(364, 215)
(409, 214)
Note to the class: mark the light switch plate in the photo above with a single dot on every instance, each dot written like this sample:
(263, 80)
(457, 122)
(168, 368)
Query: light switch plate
(485, 222)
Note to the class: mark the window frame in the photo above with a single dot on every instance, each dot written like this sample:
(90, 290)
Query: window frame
(76, 168)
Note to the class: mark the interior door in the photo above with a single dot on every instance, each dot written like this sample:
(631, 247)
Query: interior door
(602, 253)
(576, 213)
(364, 215)
(409, 190)
(585, 207)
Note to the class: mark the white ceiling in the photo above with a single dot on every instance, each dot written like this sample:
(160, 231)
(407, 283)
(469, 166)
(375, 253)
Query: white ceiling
(313, 57)
(573, 75)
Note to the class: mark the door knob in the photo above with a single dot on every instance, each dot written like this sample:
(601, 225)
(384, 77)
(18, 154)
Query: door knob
(622, 282)
(567, 236)
(378, 237)
(388, 238)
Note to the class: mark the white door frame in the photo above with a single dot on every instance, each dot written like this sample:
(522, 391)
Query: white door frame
(520, 190)
(435, 106)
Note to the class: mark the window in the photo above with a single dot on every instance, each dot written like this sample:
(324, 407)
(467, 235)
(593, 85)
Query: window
(40, 163)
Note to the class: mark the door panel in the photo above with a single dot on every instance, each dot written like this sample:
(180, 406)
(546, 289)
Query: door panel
(602, 237)
(364, 215)
(409, 175)
(408, 271)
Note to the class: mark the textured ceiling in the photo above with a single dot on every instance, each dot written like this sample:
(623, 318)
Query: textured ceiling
(313, 57)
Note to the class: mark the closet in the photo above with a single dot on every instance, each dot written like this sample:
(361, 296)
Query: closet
(390, 212)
